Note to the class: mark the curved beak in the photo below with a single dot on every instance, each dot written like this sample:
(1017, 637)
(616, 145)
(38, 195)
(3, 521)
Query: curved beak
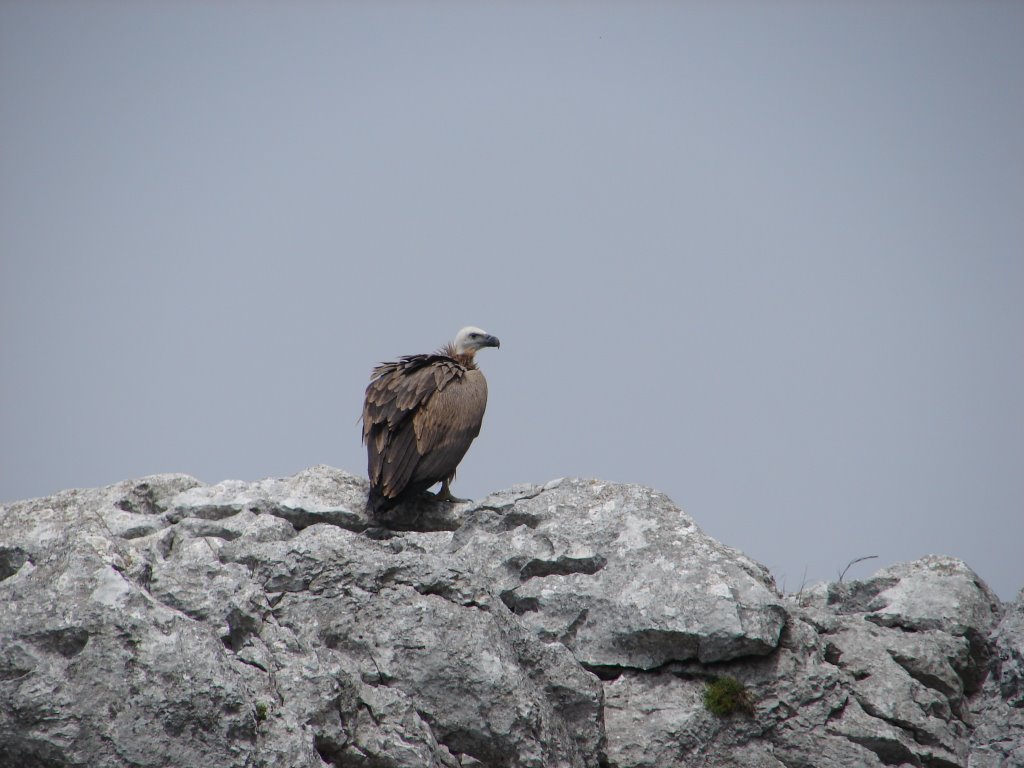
(490, 341)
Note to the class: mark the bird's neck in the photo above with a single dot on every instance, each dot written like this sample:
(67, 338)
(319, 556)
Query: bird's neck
(463, 358)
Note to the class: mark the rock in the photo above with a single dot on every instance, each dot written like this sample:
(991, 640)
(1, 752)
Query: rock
(866, 674)
(163, 622)
(249, 625)
(933, 593)
(95, 671)
(998, 737)
(482, 684)
(620, 576)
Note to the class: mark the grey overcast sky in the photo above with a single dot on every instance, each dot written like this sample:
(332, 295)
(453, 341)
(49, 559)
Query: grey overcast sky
(767, 258)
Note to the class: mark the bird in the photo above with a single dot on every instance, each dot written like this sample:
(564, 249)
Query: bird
(420, 416)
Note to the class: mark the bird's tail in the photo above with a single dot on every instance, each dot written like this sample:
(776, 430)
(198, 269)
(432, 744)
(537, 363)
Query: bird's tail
(377, 502)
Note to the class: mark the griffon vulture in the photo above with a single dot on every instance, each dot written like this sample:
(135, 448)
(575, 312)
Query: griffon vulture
(420, 416)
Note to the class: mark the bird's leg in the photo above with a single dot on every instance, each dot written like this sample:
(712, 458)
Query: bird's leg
(445, 494)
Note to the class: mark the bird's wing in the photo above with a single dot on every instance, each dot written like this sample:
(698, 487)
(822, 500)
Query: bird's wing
(397, 392)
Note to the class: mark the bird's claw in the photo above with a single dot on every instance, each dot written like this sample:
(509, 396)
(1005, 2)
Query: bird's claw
(445, 494)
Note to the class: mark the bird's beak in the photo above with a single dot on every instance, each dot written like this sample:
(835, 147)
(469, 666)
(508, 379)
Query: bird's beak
(491, 341)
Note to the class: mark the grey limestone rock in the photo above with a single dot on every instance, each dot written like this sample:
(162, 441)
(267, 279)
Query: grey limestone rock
(998, 737)
(164, 622)
(872, 673)
(621, 576)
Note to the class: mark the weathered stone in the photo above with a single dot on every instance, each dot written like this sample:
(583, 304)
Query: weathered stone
(885, 691)
(161, 622)
(934, 593)
(998, 737)
(240, 631)
(316, 495)
(620, 575)
(843, 689)
(483, 684)
(320, 494)
(91, 650)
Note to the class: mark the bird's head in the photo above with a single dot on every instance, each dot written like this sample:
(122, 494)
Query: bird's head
(470, 339)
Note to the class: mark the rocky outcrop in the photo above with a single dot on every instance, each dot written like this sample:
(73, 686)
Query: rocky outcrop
(997, 740)
(163, 622)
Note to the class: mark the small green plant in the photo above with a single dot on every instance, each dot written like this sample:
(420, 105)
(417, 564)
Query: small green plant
(725, 695)
(261, 711)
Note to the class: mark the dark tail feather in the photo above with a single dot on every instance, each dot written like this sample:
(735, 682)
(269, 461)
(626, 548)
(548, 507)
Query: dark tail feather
(377, 502)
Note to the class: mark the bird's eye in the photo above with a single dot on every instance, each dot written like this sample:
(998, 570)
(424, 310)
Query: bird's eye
(474, 335)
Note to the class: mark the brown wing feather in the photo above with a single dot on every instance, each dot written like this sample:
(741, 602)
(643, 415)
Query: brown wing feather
(418, 422)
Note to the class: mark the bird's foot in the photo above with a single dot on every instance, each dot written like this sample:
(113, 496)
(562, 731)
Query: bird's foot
(445, 494)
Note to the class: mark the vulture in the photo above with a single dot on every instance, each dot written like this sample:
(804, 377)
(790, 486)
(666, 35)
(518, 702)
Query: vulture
(420, 415)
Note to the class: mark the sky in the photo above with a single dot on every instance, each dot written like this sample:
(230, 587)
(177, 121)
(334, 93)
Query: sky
(767, 258)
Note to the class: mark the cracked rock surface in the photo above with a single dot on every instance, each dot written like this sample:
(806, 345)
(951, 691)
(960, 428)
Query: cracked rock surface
(164, 622)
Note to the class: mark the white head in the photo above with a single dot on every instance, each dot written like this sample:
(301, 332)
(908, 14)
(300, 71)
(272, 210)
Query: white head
(470, 339)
